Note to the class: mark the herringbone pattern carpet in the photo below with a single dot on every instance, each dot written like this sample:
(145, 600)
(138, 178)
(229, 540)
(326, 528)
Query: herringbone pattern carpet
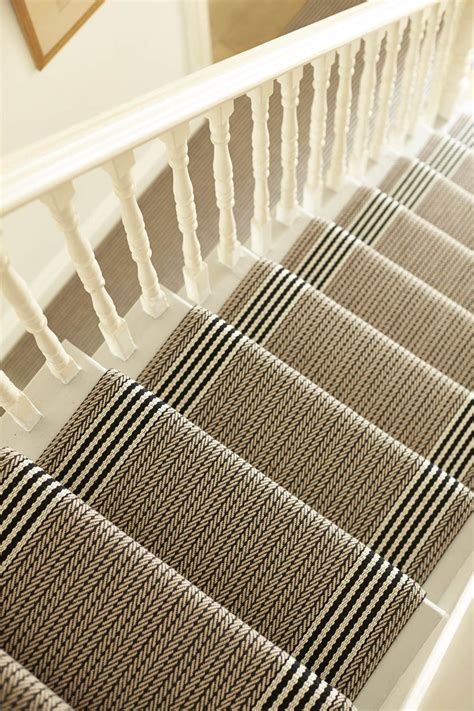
(247, 525)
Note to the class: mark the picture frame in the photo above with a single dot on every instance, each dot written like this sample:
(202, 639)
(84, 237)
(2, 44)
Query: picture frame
(48, 24)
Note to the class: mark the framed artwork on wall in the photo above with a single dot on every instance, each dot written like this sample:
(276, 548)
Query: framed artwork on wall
(49, 24)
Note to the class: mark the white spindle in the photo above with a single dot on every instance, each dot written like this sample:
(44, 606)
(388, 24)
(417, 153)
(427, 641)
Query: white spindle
(402, 114)
(29, 312)
(431, 20)
(337, 165)
(261, 225)
(456, 67)
(288, 203)
(312, 194)
(114, 328)
(389, 73)
(448, 10)
(228, 249)
(365, 106)
(17, 404)
(195, 271)
(153, 299)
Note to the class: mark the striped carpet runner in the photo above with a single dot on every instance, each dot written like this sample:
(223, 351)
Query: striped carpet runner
(249, 523)
(106, 624)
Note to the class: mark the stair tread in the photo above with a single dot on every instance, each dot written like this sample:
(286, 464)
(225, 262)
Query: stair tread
(432, 196)
(131, 630)
(355, 362)
(399, 234)
(386, 296)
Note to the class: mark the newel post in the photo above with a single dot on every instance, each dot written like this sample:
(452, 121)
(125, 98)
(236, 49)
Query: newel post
(195, 271)
(114, 328)
(152, 299)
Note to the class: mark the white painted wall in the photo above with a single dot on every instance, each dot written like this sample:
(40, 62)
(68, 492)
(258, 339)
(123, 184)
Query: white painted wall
(127, 48)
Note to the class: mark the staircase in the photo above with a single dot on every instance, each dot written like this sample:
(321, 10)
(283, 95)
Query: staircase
(253, 490)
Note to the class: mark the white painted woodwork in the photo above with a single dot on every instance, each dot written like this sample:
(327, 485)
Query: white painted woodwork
(365, 105)
(195, 271)
(402, 115)
(17, 404)
(448, 11)
(337, 164)
(431, 20)
(30, 173)
(261, 224)
(312, 193)
(288, 204)
(228, 248)
(387, 85)
(153, 299)
(456, 68)
(31, 316)
(113, 328)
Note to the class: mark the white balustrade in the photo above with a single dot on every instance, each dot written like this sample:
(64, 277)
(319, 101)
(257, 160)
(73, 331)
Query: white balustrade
(448, 10)
(431, 22)
(30, 314)
(288, 204)
(365, 106)
(261, 224)
(312, 193)
(153, 299)
(402, 114)
(195, 271)
(389, 73)
(337, 164)
(456, 66)
(114, 328)
(228, 248)
(17, 404)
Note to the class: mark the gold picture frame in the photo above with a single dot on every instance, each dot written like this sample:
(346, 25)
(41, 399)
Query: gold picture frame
(48, 24)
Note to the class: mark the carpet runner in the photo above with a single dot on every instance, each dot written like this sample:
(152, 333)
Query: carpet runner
(263, 554)
(21, 691)
(384, 224)
(385, 295)
(451, 157)
(105, 624)
(357, 364)
(429, 194)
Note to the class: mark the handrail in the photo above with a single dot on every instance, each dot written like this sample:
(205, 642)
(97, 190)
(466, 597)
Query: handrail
(47, 164)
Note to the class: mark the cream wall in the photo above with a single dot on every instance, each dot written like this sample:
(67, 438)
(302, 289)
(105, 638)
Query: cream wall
(126, 48)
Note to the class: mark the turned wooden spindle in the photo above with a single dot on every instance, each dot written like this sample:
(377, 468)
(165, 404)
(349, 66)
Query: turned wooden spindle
(312, 193)
(389, 73)
(337, 165)
(261, 224)
(30, 314)
(431, 21)
(113, 328)
(228, 248)
(153, 299)
(457, 59)
(195, 271)
(402, 117)
(288, 204)
(447, 17)
(17, 404)
(365, 105)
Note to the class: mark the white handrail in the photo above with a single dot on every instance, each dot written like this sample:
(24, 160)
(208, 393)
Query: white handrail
(45, 165)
